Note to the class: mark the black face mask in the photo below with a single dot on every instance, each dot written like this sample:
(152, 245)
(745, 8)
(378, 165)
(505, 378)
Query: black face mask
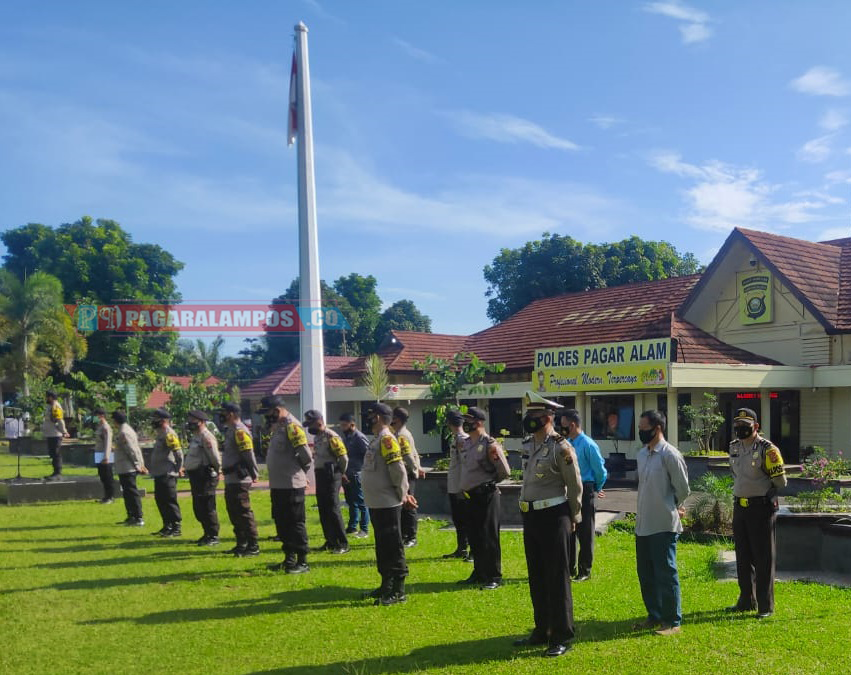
(646, 435)
(469, 427)
(156, 424)
(193, 426)
(313, 430)
(743, 432)
(532, 424)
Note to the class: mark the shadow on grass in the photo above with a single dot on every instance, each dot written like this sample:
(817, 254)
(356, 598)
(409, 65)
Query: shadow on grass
(100, 584)
(105, 545)
(154, 557)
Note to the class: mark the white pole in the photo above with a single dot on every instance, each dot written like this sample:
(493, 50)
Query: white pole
(310, 340)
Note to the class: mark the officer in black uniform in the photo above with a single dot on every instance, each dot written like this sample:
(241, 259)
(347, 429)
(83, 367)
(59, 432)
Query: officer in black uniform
(758, 474)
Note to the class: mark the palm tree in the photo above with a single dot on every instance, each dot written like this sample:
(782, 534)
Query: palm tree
(36, 328)
(210, 356)
(375, 377)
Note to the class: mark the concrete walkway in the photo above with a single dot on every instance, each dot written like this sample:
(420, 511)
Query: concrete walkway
(725, 570)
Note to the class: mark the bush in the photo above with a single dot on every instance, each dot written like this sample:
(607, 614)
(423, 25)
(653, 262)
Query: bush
(712, 508)
(442, 464)
(823, 468)
(820, 501)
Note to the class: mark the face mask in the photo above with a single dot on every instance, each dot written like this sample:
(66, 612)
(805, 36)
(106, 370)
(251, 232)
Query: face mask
(646, 435)
(313, 430)
(156, 424)
(532, 424)
(743, 432)
(272, 418)
(469, 427)
(193, 426)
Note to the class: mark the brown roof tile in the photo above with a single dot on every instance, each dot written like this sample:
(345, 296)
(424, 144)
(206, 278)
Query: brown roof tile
(286, 380)
(697, 346)
(158, 398)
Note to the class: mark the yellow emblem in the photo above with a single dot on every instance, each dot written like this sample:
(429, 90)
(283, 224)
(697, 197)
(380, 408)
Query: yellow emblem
(296, 435)
(243, 440)
(56, 411)
(172, 442)
(390, 449)
(337, 446)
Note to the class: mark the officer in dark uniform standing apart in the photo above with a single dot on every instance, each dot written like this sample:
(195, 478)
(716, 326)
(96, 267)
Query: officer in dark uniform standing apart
(239, 466)
(288, 459)
(483, 466)
(54, 431)
(103, 445)
(166, 466)
(758, 474)
(203, 464)
(330, 463)
(550, 504)
(385, 489)
(356, 446)
(128, 463)
(411, 458)
(457, 501)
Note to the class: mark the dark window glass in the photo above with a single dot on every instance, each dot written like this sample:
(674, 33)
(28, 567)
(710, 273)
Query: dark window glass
(506, 413)
(613, 417)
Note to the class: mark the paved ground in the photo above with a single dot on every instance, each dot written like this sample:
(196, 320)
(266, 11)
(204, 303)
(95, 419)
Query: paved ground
(725, 570)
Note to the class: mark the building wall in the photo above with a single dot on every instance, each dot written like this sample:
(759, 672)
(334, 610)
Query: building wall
(840, 441)
(816, 418)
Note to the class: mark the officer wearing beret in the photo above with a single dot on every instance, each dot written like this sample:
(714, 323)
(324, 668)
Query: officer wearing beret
(483, 465)
(331, 460)
(54, 431)
(758, 474)
(203, 463)
(128, 463)
(239, 467)
(385, 490)
(166, 466)
(103, 445)
(288, 459)
(550, 504)
(411, 458)
(457, 501)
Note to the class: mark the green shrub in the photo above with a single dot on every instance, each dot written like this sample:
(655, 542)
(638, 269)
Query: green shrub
(712, 508)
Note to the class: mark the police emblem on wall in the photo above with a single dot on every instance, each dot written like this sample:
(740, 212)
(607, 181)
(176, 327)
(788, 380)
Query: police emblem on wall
(755, 297)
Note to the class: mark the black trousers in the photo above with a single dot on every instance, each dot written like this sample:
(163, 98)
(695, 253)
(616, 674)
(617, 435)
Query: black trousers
(132, 498)
(328, 486)
(585, 533)
(458, 508)
(756, 551)
(546, 540)
(238, 503)
(106, 479)
(389, 552)
(409, 516)
(165, 495)
(483, 532)
(203, 486)
(289, 516)
(54, 449)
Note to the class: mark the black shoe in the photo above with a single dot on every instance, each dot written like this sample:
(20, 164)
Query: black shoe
(457, 553)
(557, 649)
(391, 599)
(737, 608)
(375, 593)
(491, 585)
(288, 562)
(105, 500)
(126, 521)
(162, 532)
(764, 615)
(339, 551)
(351, 530)
(582, 577)
(298, 568)
(174, 531)
(532, 641)
(410, 543)
(236, 550)
(471, 580)
(137, 522)
(250, 551)
(319, 549)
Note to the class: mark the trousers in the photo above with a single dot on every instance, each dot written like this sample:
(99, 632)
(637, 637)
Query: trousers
(165, 495)
(756, 552)
(238, 503)
(107, 480)
(483, 533)
(203, 486)
(458, 508)
(130, 493)
(289, 515)
(584, 535)
(54, 449)
(409, 516)
(656, 560)
(328, 501)
(389, 551)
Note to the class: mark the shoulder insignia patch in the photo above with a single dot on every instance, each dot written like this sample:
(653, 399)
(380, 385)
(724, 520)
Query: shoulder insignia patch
(56, 411)
(172, 442)
(296, 434)
(404, 445)
(337, 446)
(390, 449)
(243, 440)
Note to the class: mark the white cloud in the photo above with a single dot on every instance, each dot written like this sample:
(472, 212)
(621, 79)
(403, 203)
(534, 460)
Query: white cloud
(722, 196)
(415, 52)
(816, 150)
(506, 129)
(822, 81)
(833, 120)
(605, 121)
(836, 177)
(694, 22)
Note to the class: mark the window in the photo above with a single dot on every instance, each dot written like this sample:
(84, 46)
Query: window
(613, 417)
(506, 413)
(429, 421)
(683, 424)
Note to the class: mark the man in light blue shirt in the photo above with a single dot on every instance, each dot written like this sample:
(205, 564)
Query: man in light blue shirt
(662, 489)
(593, 471)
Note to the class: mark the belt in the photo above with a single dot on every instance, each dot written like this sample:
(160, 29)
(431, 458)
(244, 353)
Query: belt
(745, 502)
(483, 489)
(541, 504)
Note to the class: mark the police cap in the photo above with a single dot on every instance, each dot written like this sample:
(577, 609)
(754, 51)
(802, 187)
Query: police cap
(745, 416)
(381, 409)
(199, 415)
(230, 407)
(454, 417)
(312, 417)
(268, 403)
(162, 414)
(475, 413)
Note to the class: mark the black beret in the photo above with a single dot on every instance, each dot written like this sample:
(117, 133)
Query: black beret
(347, 417)
(268, 403)
(475, 413)
(454, 417)
(231, 407)
(401, 413)
(381, 409)
(312, 416)
(162, 414)
(198, 415)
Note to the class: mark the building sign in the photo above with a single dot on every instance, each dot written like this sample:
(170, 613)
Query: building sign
(755, 295)
(614, 366)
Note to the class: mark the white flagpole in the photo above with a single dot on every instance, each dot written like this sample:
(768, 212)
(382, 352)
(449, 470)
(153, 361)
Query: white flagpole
(310, 340)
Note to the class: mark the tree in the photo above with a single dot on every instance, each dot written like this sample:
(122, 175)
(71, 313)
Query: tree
(36, 328)
(360, 293)
(98, 263)
(402, 315)
(375, 378)
(195, 396)
(704, 420)
(559, 264)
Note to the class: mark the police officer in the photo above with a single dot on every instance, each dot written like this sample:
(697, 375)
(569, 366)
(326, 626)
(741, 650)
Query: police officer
(411, 458)
(103, 445)
(288, 459)
(457, 501)
(203, 463)
(550, 504)
(54, 431)
(166, 466)
(385, 489)
(128, 463)
(483, 466)
(240, 470)
(331, 461)
(758, 474)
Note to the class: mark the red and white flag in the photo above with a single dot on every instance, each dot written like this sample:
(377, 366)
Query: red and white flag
(292, 126)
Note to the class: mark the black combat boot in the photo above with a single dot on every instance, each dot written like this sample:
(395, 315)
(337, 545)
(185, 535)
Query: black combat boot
(396, 594)
(300, 566)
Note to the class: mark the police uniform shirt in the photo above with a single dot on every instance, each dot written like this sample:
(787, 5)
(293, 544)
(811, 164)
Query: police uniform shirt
(383, 476)
(128, 454)
(329, 448)
(289, 456)
(456, 448)
(103, 441)
(756, 469)
(409, 451)
(477, 467)
(54, 421)
(551, 470)
(167, 457)
(238, 448)
(203, 451)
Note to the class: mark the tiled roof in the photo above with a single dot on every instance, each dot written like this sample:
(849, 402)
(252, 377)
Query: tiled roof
(697, 346)
(286, 380)
(843, 310)
(158, 398)
(417, 346)
(629, 312)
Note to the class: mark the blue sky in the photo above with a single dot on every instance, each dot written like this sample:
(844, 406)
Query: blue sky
(444, 131)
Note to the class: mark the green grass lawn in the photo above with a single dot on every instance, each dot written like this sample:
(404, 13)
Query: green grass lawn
(79, 594)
